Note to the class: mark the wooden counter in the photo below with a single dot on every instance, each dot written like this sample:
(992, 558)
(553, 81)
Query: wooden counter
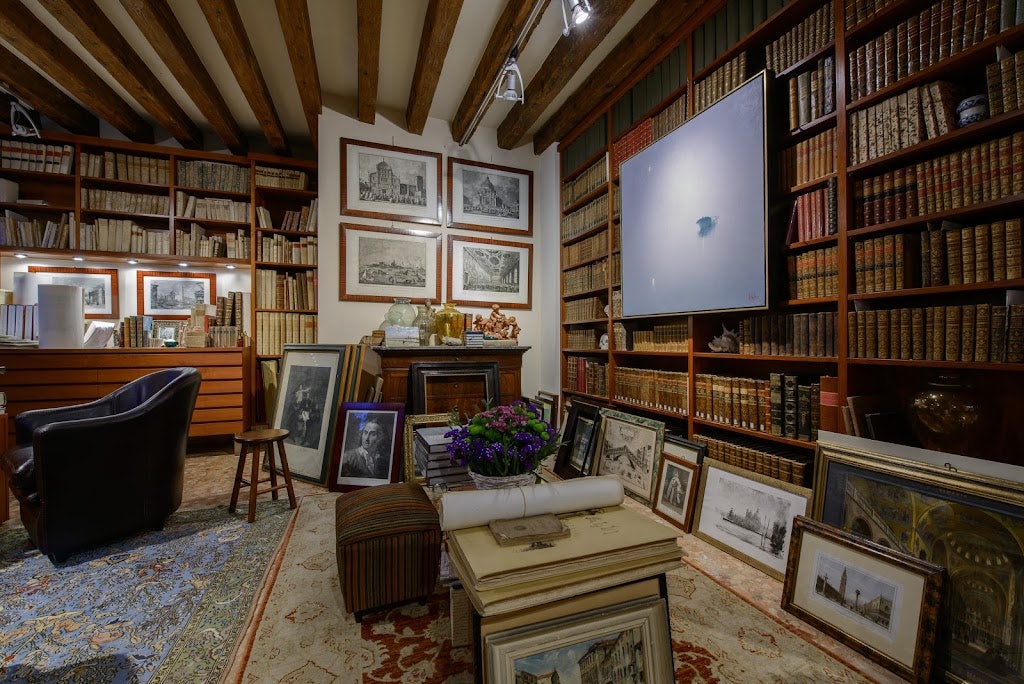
(41, 378)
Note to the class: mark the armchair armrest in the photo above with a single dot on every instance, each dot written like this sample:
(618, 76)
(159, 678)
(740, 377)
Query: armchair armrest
(26, 422)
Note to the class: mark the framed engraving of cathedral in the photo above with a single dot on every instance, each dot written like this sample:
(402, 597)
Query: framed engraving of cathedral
(959, 513)
(880, 602)
(497, 199)
(390, 183)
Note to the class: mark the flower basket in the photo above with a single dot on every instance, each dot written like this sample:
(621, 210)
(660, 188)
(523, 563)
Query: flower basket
(502, 482)
(504, 443)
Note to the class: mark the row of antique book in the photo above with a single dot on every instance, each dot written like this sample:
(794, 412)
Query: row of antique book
(815, 214)
(279, 249)
(587, 376)
(779, 462)
(808, 160)
(904, 120)
(813, 274)
(275, 329)
(585, 278)
(277, 290)
(126, 167)
(592, 178)
(784, 404)
(813, 33)
(1005, 79)
(812, 94)
(658, 389)
(585, 250)
(583, 219)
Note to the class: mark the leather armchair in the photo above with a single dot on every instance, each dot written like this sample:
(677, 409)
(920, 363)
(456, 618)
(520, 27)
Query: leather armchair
(92, 472)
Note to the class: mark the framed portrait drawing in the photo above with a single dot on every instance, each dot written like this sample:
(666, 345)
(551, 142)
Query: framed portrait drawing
(367, 446)
(172, 294)
(876, 600)
(379, 264)
(390, 183)
(962, 513)
(748, 515)
(482, 272)
(575, 455)
(307, 397)
(498, 199)
(99, 287)
(675, 495)
(629, 447)
(415, 469)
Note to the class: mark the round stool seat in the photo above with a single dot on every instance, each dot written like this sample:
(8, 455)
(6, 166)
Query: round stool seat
(254, 441)
(260, 436)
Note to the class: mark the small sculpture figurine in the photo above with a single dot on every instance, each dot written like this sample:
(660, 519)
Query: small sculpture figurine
(497, 325)
(726, 343)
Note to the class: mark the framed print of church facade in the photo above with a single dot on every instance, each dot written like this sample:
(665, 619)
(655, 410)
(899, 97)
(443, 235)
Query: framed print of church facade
(488, 197)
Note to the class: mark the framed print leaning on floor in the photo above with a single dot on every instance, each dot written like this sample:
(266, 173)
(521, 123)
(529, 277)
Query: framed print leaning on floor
(367, 447)
(675, 495)
(488, 197)
(390, 183)
(579, 432)
(629, 447)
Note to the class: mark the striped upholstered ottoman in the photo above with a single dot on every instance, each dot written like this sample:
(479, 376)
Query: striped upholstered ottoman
(389, 546)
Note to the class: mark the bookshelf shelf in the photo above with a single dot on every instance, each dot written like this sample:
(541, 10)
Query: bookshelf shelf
(590, 321)
(988, 285)
(584, 262)
(674, 415)
(754, 433)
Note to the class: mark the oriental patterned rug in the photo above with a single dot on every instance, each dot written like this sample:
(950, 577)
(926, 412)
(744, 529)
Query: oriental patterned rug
(301, 632)
(163, 606)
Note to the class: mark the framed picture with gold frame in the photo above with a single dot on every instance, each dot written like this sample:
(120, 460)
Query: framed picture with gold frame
(415, 469)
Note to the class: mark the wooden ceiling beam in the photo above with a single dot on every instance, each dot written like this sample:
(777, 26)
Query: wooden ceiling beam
(564, 60)
(649, 41)
(293, 15)
(27, 84)
(438, 29)
(228, 29)
(369, 15)
(24, 33)
(510, 25)
(98, 35)
(165, 34)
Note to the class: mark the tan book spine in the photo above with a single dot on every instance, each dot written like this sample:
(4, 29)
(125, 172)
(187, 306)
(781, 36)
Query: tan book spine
(1009, 82)
(906, 334)
(967, 257)
(952, 341)
(1015, 334)
(997, 334)
(982, 254)
(879, 266)
(982, 332)
(889, 262)
(882, 337)
(938, 334)
(929, 333)
(924, 238)
(998, 239)
(871, 334)
(954, 263)
(968, 313)
(1014, 262)
(1011, 165)
(918, 333)
(858, 266)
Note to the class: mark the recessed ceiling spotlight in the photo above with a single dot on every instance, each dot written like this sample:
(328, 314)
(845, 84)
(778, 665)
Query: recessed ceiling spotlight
(20, 255)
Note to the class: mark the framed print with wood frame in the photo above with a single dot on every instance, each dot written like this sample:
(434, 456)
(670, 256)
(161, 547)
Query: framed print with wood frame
(575, 455)
(367, 445)
(556, 410)
(878, 601)
(748, 515)
(498, 199)
(379, 264)
(99, 287)
(306, 401)
(415, 469)
(965, 514)
(483, 272)
(629, 447)
(390, 183)
(686, 449)
(676, 492)
(172, 294)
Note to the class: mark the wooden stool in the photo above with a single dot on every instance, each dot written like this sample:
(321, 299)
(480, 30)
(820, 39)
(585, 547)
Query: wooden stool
(254, 440)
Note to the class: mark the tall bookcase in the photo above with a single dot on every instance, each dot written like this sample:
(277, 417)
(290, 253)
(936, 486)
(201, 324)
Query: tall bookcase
(880, 202)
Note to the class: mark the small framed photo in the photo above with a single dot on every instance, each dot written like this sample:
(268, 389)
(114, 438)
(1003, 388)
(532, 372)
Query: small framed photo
(306, 400)
(629, 447)
(675, 494)
(99, 287)
(748, 515)
(638, 629)
(379, 264)
(172, 294)
(482, 272)
(878, 601)
(497, 199)
(575, 455)
(416, 464)
(171, 329)
(367, 446)
(390, 183)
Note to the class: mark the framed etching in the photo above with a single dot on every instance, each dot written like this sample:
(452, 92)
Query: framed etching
(878, 601)
(962, 513)
(379, 264)
(306, 399)
(416, 468)
(99, 287)
(482, 272)
(748, 515)
(675, 495)
(578, 432)
(488, 197)
(172, 294)
(629, 447)
(367, 447)
(170, 330)
(390, 183)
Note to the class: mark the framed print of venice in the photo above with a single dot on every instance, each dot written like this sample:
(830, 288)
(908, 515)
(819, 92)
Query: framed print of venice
(483, 272)
(390, 183)
(629, 447)
(379, 264)
(497, 199)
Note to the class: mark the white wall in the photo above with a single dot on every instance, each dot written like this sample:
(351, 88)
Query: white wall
(346, 322)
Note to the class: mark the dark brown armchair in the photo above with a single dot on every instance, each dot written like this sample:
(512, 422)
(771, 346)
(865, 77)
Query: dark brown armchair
(89, 473)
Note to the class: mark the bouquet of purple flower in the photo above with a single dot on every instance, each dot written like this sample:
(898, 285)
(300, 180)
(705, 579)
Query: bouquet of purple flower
(505, 440)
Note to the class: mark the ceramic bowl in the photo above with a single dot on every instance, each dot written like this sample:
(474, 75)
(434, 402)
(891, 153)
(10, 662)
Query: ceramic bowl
(972, 110)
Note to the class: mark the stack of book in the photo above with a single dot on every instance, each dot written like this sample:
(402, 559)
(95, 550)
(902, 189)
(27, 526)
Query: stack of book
(431, 454)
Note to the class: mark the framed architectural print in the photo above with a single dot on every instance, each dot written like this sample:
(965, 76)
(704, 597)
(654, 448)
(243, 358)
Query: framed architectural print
(390, 183)
(959, 512)
(416, 464)
(876, 600)
(367, 447)
(748, 515)
(578, 439)
(685, 449)
(379, 264)
(497, 199)
(99, 287)
(306, 400)
(482, 272)
(675, 495)
(629, 447)
(172, 294)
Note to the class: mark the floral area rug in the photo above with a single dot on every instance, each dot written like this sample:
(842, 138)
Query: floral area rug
(163, 606)
(303, 634)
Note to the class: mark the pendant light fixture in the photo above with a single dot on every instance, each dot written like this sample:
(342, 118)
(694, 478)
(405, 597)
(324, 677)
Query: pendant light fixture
(510, 86)
(574, 13)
